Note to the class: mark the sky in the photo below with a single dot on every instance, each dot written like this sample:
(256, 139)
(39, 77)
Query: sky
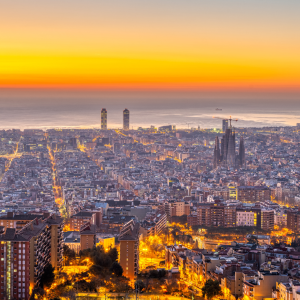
(167, 45)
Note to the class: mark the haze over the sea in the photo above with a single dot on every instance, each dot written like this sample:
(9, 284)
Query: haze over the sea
(64, 109)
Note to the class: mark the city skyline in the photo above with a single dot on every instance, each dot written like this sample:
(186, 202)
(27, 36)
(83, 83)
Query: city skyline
(150, 150)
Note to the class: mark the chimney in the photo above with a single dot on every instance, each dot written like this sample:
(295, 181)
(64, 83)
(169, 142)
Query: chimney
(37, 221)
(31, 225)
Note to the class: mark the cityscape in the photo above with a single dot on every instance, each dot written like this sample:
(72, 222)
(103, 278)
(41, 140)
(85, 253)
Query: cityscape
(150, 150)
(152, 213)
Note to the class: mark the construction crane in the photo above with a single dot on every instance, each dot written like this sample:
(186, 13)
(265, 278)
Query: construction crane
(230, 119)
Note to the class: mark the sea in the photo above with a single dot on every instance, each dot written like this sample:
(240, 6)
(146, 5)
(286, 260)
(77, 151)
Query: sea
(21, 109)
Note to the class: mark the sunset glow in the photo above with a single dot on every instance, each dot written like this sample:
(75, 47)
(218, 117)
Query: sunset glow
(112, 45)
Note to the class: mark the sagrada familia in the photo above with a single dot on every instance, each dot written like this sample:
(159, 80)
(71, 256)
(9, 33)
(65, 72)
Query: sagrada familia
(227, 156)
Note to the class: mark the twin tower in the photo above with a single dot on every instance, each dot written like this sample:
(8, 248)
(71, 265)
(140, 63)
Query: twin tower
(125, 119)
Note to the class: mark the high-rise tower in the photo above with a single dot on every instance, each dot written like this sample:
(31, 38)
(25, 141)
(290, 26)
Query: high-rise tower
(125, 119)
(104, 118)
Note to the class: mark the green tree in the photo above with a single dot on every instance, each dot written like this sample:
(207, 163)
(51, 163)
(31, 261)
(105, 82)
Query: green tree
(211, 289)
(139, 285)
(96, 270)
(113, 254)
(48, 276)
(252, 240)
(116, 269)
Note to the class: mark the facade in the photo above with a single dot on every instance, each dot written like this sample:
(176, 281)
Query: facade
(248, 217)
(229, 216)
(267, 219)
(87, 236)
(203, 212)
(217, 215)
(72, 240)
(125, 119)
(15, 266)
(81, 218)
(107, 242)
(253, 193)
(293, 220)
(104, 119)
(280, 219)
(129, 249)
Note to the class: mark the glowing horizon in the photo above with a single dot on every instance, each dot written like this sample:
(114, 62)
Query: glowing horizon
(155, 46)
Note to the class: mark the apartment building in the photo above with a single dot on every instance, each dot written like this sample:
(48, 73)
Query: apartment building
(293, 220)
(229, 216)
(216, 214)
(25, 254)
(107, 242)
(172, 253)
(267, 219)
(253, 193)
(289, 290)
(203, 213)
(17, 221)
(129, 248)
(177, 209)
(261, 286)
(280, 219)
(15, 266)
(154, 223)
(81, 218)
(248, 217)
(233, 283)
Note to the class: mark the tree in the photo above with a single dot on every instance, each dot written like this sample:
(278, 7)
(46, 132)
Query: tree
(211, 289)
(113, 254)
(69, 255)
(48, 276)
(116, 269)
(37, 293)
(252, 240)
(139, 285)
(96, 270)
(172, 287)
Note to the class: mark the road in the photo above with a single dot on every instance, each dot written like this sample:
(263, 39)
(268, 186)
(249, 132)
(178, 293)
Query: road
(101, 296)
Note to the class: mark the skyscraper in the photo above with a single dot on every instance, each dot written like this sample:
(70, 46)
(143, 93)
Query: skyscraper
(224, 125)
(104, 118)
(126, 119)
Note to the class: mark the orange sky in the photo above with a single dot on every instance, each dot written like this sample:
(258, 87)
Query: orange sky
(153, 45)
